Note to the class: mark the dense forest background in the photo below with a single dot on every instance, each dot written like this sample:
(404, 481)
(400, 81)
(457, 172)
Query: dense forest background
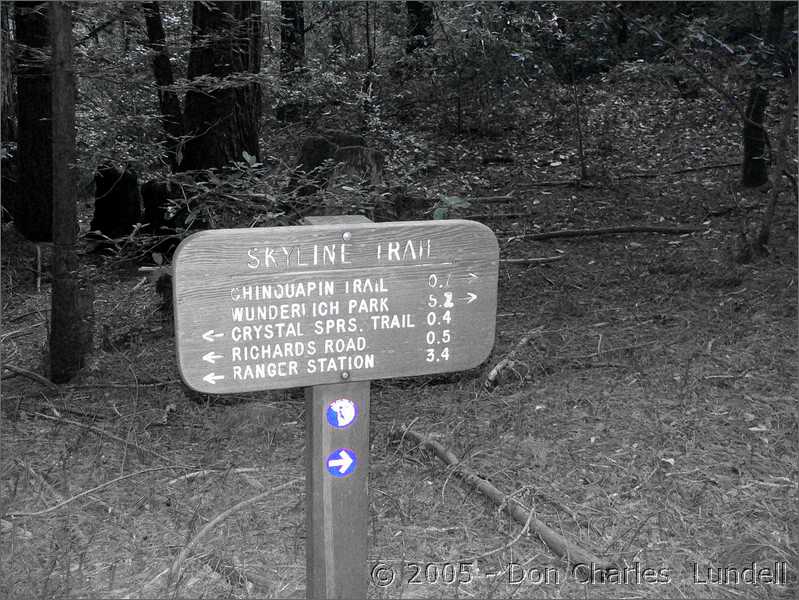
(637, 162)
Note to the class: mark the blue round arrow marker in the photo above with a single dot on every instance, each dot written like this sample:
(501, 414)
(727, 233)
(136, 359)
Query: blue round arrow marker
(341, 413)
(341, 462)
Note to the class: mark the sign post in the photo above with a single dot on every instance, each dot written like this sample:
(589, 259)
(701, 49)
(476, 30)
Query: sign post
(330, 306)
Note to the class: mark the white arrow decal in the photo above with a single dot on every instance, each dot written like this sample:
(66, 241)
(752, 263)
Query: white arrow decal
(343, 461)
(209, 335)
(212, 379)
(472, 277)
(470, 297)
(211, 357)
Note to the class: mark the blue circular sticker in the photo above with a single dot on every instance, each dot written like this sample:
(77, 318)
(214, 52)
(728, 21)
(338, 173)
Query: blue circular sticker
(341, 413)
(341, 462)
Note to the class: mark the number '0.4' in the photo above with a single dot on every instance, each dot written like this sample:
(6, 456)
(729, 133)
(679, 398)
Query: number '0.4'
(432, 318)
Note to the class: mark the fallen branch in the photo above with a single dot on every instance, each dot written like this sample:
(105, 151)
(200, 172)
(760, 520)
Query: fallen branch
(233, 575)
(531, 261)
(175, 569)
(31, 375)
(501, 365)
(14, 515)
(653, 174)
(571, 233)
(99, 431)
(206, 472)
(555, 541)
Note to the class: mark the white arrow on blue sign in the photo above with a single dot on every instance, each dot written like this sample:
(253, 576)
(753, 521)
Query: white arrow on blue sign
(341, 462)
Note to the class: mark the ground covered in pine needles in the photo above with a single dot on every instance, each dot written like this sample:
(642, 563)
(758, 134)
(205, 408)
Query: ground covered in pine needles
(646, 412)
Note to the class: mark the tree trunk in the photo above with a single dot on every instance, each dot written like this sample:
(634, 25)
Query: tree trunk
(223, 122)
(292, 37)
(71, 327)
(420, 25)
(755, 162)
(168, 101)
(292, 55)
(33, 210)
(8, 131)
(340, 27)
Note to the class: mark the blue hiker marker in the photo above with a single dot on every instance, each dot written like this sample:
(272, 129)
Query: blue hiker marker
(341, 413)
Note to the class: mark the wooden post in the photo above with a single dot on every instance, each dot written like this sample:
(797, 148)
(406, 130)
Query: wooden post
(336, 507)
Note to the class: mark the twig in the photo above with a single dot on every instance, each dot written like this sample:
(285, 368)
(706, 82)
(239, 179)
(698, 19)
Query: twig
(120, 385)
(555, 541)
(175, 569)
(610, 350)
(205, 472)
(653, 174)
(14, 515)
(570, 233)
(501, 365)
(534, 261)
(31, 375)
(477, 216)
(99, 431)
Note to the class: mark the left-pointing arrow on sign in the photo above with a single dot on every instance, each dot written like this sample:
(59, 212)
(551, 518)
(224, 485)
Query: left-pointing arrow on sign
(209, 335)
(212, 379)
(212, 357)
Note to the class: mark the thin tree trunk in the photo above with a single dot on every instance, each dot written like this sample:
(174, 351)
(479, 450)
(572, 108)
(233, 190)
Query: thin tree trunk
(8, 111)
(292, 36)
(70, 330)
(168, 101)
(33, 210)
(292, 55)
(224, 122)
(755, 141)
(781, 161)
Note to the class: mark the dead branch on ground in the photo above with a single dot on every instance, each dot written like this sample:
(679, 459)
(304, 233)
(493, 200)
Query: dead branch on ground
(45, 511)
(555, 541)
(531, 261)
(491, 379)
(99, 431)
(175, 569)
(33, 376)
(571, 233)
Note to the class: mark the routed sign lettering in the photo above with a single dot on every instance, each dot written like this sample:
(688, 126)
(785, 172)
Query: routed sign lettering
(280, 307)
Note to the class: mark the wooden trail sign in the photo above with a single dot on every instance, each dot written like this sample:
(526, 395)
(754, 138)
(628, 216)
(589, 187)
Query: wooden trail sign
(279, 307)
(331, 306)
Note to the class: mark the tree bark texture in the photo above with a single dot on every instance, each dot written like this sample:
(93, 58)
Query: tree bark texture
(292, 36)
(292, 56)
(8, 131)
(32, 211)
(420, 25)
(223, 118)
(71, 327)
(755, 161)
(168, 101)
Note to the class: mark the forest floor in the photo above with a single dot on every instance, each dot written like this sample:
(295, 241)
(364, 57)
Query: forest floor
(650, 418)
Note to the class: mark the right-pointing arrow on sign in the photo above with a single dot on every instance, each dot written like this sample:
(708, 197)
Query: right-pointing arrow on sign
(212, 378)
(470, 297)
(212, 357)
(343, 461)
